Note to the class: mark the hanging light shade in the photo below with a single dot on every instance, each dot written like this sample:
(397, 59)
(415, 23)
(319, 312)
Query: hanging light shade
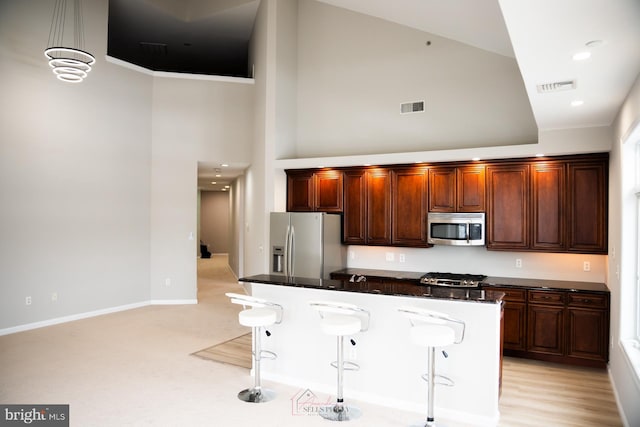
(69, 63)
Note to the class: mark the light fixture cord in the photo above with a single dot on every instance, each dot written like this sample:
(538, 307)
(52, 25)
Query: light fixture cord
(78, 30)
(56, 32)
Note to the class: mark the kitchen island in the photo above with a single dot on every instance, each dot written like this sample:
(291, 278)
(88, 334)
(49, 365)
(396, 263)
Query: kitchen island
(390, 365)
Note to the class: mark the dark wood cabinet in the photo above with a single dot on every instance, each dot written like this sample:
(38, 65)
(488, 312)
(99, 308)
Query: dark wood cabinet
(457, 189)
(367, 207)
(314, 191)
(508, 206)
(545, 322)
(378, 202)
(548, 206)
(587, 206)
(559, 326)
(514, 318)
(588, 326)
(409, 207)
(442, 189)
(355, 197)
(470, 189)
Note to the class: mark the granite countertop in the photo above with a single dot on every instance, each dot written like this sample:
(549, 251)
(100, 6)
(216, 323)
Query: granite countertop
(472, 295)
(562, 285)
(410, 276)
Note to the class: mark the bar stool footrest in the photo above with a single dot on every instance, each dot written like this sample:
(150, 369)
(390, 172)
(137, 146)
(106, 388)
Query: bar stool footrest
(347, 365)
(440, 380)
(266, 354)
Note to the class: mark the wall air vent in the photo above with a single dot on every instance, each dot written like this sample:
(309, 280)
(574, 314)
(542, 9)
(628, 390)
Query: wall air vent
(412, 107)
(557, 86)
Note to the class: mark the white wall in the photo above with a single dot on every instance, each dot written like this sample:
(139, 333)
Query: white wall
(193, 120)
(621, 259)
(354, 71)
(74, 175)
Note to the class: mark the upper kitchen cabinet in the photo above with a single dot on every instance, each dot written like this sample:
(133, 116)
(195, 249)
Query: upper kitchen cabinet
(378, 207)
(409, 206)
(457, 189)
(314, 191)
(547, 206)
(587, 198)
(355, 196)
(508, 206)
(557, 205)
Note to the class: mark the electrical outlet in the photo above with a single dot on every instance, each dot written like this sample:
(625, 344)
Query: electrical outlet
(586, 266)
(27, 301)
(518, 262)
(352, 255)
(167, 282)
(54, 297)
(401, 258)
(389, 256)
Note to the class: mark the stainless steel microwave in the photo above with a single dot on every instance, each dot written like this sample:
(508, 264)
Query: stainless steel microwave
(456, 229)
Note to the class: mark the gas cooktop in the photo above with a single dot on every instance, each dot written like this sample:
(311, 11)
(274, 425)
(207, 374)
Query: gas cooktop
(452, 279)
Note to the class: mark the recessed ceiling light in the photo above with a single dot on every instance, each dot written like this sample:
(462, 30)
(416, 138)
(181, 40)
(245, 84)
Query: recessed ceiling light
(213, 182)
(226, 186)
(218, 175)
(581, 56)
(577, 103)
(224, 165)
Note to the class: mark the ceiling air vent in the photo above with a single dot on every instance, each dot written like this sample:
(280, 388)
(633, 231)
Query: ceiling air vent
(557, 86)
(412, 107)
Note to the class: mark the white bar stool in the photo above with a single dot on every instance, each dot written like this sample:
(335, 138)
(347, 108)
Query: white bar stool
(341, 319)
(261, 314)
(433, 329)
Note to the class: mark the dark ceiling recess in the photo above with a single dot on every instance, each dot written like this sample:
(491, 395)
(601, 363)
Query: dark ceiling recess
(183, 36)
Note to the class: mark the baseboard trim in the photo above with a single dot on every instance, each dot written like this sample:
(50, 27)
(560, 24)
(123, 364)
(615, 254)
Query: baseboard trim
(94, 313)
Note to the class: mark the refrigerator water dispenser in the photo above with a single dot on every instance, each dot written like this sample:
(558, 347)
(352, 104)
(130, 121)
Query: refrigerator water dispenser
(278, 259)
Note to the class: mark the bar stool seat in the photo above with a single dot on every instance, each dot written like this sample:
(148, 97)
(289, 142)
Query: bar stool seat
(432, 329)
(339, 324)
(341, 319)
(255, 317)
(261, 314)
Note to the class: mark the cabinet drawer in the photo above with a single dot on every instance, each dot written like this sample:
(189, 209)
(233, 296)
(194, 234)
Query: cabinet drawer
(511, 294)
(587, 300)
(546, 297)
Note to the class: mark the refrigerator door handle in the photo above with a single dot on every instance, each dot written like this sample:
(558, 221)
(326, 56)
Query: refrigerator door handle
(292, 247)
(286, 252)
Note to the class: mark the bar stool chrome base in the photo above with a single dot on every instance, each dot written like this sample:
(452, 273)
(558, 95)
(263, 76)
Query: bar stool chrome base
(339, 412)
(256, 395)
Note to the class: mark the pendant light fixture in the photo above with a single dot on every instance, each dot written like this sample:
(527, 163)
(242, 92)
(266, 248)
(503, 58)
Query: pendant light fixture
(69, 63)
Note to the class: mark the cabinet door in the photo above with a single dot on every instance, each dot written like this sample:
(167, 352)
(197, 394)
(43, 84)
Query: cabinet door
(546, 329)
(548, 206)
(442, 189)
(588, 326)
(300, 195)
(409, 206)
(470, 189)
(508, 206)
(514, 318)
(354, 218)
(378, 211)
(587, 203)
(328, 191)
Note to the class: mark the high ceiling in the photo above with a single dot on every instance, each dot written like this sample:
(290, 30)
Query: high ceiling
(542, 35)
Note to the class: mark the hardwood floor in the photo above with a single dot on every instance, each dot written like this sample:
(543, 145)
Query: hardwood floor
(540, 393)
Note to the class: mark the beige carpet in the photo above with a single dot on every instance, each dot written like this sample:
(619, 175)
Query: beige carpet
(233, 352)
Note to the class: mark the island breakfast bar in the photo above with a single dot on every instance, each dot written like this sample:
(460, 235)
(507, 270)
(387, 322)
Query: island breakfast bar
(390, 365)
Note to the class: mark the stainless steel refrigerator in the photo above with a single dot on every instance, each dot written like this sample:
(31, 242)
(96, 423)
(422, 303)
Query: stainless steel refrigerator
(306, 244)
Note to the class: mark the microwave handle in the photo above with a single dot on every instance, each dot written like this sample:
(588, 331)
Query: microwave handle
(468, 233)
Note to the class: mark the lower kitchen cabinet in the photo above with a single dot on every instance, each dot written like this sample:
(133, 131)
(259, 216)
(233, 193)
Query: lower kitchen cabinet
(515, 318)
(559, 326)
